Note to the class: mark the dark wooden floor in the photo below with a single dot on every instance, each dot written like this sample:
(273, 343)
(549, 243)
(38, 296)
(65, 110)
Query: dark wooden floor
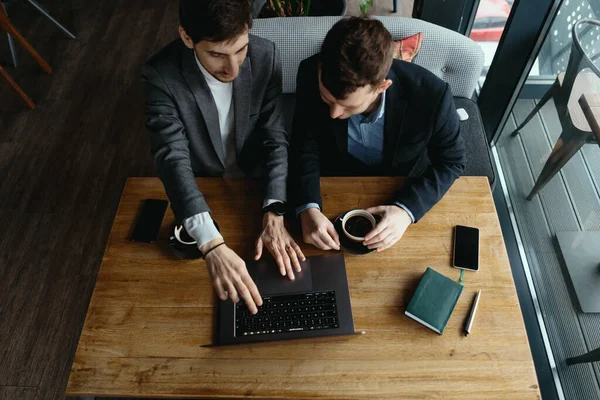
(62, 169)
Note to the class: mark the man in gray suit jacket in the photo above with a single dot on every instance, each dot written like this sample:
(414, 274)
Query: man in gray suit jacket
(213, 109)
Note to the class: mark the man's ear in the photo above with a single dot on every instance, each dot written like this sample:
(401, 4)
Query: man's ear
(384, 85)
(189, 43)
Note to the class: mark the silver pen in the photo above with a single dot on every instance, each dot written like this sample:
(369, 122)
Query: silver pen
(472, 315)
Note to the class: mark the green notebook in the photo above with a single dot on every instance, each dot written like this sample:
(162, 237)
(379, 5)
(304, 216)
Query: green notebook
(434, 300)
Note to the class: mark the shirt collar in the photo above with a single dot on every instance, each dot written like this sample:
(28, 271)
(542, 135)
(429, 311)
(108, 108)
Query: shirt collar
(378, 113)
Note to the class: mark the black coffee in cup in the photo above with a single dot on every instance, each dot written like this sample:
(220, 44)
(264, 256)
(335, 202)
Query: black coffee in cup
(185, 237)
(358, 226)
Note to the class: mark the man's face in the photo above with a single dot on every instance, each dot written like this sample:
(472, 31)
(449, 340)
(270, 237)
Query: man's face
(361, 100)
(221, 59)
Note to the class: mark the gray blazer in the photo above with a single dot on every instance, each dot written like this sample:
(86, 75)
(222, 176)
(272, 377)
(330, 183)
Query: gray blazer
(183, 123)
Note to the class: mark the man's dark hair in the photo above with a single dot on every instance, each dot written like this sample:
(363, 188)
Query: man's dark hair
(214, 20)
(356, 52)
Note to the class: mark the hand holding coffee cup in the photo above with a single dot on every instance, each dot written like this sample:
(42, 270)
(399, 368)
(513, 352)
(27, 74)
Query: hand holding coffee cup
(394, 222)
(318, 230)
(356, 224)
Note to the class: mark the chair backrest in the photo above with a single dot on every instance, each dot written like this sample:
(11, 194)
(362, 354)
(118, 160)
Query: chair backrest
(583, 33)
(452, 57)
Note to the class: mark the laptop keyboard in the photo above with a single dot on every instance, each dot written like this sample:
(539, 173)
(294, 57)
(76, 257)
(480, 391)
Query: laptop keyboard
(288, 313)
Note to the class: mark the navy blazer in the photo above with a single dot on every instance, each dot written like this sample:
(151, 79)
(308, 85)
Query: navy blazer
(422, 138)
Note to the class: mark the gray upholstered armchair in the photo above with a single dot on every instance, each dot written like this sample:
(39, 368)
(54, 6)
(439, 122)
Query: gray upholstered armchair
(454, 58)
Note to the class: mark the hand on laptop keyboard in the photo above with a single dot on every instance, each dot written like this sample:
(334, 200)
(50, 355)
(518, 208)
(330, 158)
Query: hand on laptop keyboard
(231, 279)
(275, 237)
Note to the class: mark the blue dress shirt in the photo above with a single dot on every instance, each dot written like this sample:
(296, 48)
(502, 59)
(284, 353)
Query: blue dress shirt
(365, 135)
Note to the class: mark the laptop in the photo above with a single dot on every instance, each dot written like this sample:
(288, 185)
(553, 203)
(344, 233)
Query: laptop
(316, 303)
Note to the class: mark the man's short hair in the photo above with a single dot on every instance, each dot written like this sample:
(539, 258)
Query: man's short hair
(356, 52)
(214, 20)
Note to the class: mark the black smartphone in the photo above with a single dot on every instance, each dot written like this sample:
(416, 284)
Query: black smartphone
(466, 248)
(148, 223)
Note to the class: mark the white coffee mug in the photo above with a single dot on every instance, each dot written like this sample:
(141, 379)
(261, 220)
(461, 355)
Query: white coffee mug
(357, 213)
(177, 232)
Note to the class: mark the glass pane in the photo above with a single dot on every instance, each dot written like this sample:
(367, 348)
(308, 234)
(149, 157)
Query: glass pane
(554, 55)
(488, 27)
(551, 169)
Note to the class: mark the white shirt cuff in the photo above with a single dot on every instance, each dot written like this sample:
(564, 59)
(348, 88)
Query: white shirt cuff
(268, 202)
(306, 207)
(201, 228)
(402, 206)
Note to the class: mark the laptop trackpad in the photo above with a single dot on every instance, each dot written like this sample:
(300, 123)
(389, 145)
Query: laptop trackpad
(267, 277)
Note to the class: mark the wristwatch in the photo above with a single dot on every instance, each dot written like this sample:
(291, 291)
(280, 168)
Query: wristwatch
(278, 208)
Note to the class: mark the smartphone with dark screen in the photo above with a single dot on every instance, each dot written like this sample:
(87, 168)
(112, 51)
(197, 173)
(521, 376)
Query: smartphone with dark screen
(149, 221)
(466, 248)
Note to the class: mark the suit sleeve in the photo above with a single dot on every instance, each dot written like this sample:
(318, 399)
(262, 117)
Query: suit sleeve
(446, 150)
(169, 147)
(305, 165)
(274, 136)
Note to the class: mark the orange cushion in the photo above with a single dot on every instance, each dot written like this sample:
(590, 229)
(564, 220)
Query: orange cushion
(406, 49)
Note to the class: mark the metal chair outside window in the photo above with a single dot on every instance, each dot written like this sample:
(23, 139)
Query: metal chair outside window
(566, 91)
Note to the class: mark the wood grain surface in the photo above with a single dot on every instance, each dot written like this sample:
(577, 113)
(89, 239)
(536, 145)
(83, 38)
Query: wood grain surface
(150, 313)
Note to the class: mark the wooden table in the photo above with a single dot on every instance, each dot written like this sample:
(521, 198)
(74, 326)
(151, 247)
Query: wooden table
(150, 313)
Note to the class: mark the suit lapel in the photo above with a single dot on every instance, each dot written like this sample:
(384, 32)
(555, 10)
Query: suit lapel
(395, 107)
(242, 93)
(204, 99)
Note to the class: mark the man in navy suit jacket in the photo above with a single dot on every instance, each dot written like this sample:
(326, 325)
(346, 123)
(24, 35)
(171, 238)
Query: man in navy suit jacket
(359, 112)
